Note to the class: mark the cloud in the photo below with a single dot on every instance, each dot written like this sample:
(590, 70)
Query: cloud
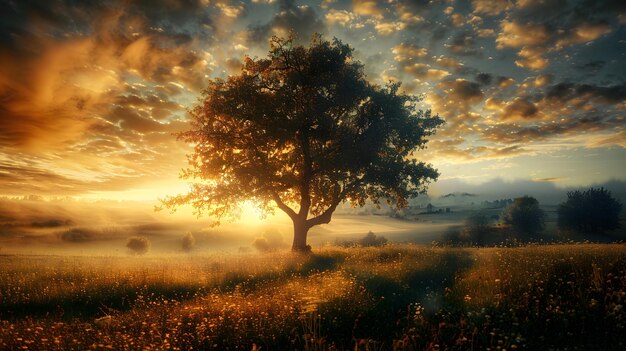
(491, 7)
(91, 91)
(231, 10)
(65, 102)
(565, 92)
(367, 8)
(542, 80)
(463, 43)
(538, 28)
(408, 52)
(607, 140)
(549, 179)
(302, 20)
(486, 32)
(448, 62)
(457, 19)
(504, 82)
(583, 33)
(389, 28)
(515, 35)
(341, 17)
(532, 58)
(484, 78)
(463, 90)
(44, 98)
(520, 109)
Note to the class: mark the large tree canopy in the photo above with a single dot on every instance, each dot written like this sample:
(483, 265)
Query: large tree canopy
(525, 215)
(590, 212)
(303, 130)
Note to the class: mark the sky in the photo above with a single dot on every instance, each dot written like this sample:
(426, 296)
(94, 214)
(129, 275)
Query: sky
(91, 91)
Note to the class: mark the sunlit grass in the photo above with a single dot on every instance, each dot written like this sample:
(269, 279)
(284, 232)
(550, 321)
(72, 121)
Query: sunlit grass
(400, 297)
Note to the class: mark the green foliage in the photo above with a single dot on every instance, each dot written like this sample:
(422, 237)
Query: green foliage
(138, 244)
(525, 216)
(591, 211)
(303, 129)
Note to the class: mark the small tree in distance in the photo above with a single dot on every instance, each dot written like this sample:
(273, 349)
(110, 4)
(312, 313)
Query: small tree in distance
(138, 245)
(592, 211)
(525, 216)
(371, 239)
(303, 131)
(478, 227)
(189, 241)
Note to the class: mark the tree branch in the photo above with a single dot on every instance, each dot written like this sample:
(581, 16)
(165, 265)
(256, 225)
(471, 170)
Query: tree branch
(325, 217)
(290, 212)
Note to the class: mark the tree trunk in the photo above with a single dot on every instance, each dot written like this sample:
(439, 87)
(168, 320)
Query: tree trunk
(300, 231)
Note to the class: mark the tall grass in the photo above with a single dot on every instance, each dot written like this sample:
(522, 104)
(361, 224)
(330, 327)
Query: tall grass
(398, 297)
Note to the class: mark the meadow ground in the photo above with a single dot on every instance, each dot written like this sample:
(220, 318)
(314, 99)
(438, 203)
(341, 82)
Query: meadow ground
(398, 297)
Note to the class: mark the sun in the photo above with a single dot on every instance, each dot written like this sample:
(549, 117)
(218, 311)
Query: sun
(250, 214)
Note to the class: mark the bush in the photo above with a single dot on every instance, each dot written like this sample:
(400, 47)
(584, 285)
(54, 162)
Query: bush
(478, 227)
(370, 239)
(138, 245)
(188, 242)
(270, 241)
(261, 244)
(525, 216)
(592, 211)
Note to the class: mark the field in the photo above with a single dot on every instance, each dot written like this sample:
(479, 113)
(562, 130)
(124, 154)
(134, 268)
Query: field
(397, 297)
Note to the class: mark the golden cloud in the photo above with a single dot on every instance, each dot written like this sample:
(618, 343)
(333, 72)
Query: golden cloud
(408, 52)
(367, 8)
(583, 33)
(491, 7)
(388, 28)
(457, 19)
(341, 17)
(520, 109)
(517, 35)
(531, 58)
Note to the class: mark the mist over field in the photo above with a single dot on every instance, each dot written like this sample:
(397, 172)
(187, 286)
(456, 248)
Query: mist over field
(70, 226)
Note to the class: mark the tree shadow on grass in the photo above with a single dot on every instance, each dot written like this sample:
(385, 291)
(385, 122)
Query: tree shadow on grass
(425, 285)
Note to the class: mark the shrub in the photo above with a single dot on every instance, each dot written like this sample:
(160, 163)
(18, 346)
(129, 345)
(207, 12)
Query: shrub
(188, 242)
(478, 227)
(371, 239)
(525, 216)
(455, 235)
(138, 245)
(261, 244)
(590, 211)
(269, 241)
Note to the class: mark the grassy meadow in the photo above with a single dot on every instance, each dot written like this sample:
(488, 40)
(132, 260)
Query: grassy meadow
(397, 297)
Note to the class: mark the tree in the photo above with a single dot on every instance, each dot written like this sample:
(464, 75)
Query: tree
(525, 215)
(303, 130)
(138, 244)
(589, 211)
(371, 239)
(478, 227)
(189, 241)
